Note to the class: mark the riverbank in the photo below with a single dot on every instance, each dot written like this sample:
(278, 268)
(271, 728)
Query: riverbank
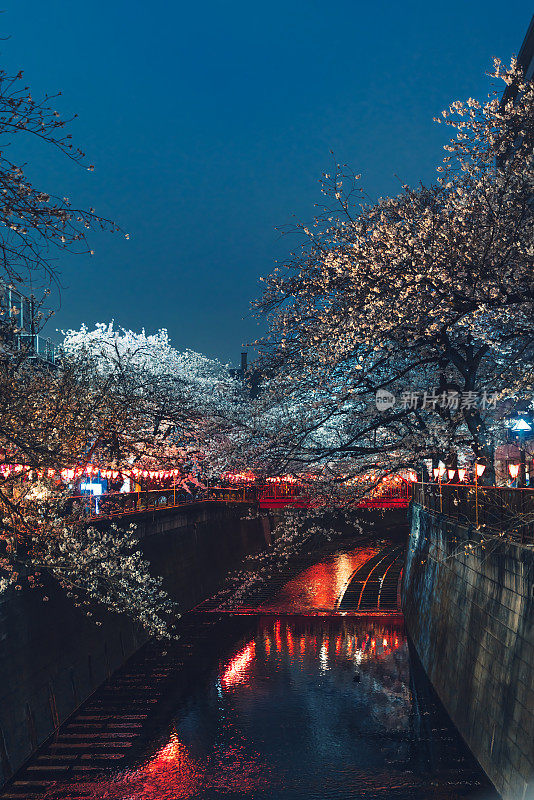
(54, 656)
(295, 707)
(469, 609)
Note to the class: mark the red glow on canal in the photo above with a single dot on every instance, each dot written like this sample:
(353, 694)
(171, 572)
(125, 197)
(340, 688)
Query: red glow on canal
(235, 672)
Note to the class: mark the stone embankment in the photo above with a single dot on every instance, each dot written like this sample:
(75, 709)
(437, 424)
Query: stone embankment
(468, 605)
(53, 656)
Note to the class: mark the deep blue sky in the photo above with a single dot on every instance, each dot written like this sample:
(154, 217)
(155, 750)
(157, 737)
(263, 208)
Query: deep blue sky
(209, 125)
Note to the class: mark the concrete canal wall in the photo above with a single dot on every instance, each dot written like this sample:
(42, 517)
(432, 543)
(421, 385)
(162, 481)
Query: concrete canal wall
(52, 656)
(470, 616)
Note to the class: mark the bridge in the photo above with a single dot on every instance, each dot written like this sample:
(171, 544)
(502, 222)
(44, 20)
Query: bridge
(396, 494)
(124, 504)
(273, 496)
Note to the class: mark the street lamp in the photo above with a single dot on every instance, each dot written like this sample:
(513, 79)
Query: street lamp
(521, 429)
(439, 471)
(479, 471)
(513, 469)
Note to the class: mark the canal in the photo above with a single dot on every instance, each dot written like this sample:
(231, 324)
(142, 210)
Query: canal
(306, 698)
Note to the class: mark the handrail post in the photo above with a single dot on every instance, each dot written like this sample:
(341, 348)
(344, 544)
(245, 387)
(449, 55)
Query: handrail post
(476, 498)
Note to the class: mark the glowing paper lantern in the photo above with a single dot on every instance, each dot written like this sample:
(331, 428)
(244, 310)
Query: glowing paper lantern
(513, 469)
(480, 469)
(461, 474)
(450, 473)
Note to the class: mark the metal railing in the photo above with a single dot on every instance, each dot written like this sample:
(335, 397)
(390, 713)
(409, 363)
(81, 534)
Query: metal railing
(496, 509)
(281, 491)
(398, 494)
(122, 503)
(38, 347)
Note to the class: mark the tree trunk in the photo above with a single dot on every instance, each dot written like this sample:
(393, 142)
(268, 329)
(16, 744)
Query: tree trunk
(483, 446)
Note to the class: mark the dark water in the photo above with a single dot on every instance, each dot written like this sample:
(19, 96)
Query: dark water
(307, 707)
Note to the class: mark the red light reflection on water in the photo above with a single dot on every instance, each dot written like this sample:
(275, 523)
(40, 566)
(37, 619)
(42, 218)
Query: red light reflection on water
(350, 641)
(236, 671)
(277, 637)
(173, 774)
(289, 639)
(320, 587)
(172, 762)
(225, 764)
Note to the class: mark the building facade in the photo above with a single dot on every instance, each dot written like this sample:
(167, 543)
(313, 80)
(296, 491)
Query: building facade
(19, 315)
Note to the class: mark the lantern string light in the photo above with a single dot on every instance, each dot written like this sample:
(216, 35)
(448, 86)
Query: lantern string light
(70, 474)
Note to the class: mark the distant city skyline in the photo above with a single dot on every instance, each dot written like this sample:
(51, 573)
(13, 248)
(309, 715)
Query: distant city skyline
(210, 126)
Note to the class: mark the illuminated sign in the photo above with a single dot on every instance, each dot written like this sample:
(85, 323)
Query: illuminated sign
(521, 426)
(93, 488)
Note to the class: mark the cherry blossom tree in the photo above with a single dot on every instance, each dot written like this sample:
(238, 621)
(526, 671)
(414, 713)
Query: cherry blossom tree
(53, 418)
(122, 400)
(204, 407)
(34, 222)
(426, 294)
(297, 531)
(68, 417)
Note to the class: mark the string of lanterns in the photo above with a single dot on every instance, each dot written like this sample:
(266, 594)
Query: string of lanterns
(384, 481)
(440, 471)
(69, 474)
(239, 477)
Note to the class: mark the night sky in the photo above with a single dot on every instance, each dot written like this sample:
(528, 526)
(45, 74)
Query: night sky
(210, 124)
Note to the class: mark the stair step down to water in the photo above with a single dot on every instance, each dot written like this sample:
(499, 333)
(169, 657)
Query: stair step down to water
(49, 768)
(374, 587)
(102, 717)
(57, 757)
(88, 745)
(101, 756)
(87, 768)
(100, 735)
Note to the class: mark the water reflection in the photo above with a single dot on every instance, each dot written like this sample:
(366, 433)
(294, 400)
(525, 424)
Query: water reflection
(321, 586)
(236, 671)
(311, 709)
